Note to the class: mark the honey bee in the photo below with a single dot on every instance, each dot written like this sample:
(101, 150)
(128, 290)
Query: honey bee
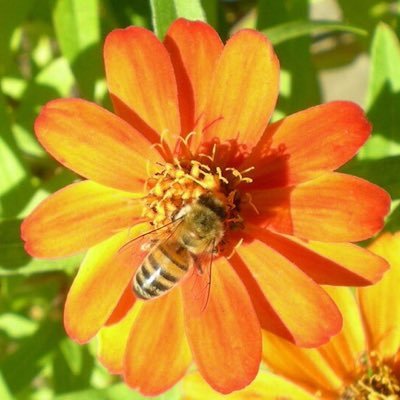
(196, 231)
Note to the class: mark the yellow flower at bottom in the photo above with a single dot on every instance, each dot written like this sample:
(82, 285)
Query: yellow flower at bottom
(265, 386)
(363, 361)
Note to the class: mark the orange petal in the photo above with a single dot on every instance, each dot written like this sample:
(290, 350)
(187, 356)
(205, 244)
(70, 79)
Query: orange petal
(244, 90)
(294, 315)
(157, 354)
(78, 217)
(380, 304)
(342, 264)
(100, 283)
(266, 386)
(95, 143)
(334, 208)
(194, 48)
(307, 144)
(113, 341)
(225, 338)
(357, 260)
(141, 81)
(328, 368)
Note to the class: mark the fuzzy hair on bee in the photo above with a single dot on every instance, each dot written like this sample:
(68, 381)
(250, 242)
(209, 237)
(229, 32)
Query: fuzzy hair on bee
(189, 242)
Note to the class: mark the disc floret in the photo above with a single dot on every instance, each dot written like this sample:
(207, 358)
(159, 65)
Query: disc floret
(180, 183)
(376, 381)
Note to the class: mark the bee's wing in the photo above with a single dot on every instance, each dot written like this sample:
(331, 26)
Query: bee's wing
(200, 281)
(147, 240)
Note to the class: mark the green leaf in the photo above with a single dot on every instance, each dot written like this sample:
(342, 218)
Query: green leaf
(393, 222)
(128, 12)
(4, 391)
(192, 10)
(13, 87)
(367, 13)
(72, 367)
(20, 367)
(383, 96)
(14, 177)
(16, 326)
(77, 27)
(117, 392)
(210, 8)
(294, 29)
(15, 261)
(167, 11)
(300, 88)
(11, 17)
(55, 80)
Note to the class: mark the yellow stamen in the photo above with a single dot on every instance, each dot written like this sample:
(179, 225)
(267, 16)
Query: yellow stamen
(182, 182)
(376, 382)
(221, 177)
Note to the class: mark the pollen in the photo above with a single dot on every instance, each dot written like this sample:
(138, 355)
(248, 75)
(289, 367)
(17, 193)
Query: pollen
(181, 182)
(376, 382)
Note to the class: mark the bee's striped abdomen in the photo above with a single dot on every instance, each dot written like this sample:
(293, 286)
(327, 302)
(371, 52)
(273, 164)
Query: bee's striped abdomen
(162, 269)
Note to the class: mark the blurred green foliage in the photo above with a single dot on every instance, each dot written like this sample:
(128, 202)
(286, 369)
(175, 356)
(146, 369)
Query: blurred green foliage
(53, 48)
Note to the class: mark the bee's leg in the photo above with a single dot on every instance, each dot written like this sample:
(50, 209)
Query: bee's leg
(197, 265)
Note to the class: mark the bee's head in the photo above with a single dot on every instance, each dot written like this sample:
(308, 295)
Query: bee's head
(214, 204)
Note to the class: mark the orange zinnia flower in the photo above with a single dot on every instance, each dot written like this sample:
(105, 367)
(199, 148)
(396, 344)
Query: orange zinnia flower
(363, 361)
(191, 119)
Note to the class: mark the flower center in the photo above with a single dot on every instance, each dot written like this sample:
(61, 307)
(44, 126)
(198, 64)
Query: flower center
(182, 182)
(377, 382)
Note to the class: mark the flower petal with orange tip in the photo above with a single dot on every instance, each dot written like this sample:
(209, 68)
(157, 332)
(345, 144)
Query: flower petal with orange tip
(299, 310)
(341, 264)
(157, 354)
(333, 208)
(380, 303)
(95, 143)
(225, 338)
(92, 298)
(244, 90)
(141, 81)
(194, 65)
(266, 386)
(113, 340)
(78, 217)
(307, 144)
